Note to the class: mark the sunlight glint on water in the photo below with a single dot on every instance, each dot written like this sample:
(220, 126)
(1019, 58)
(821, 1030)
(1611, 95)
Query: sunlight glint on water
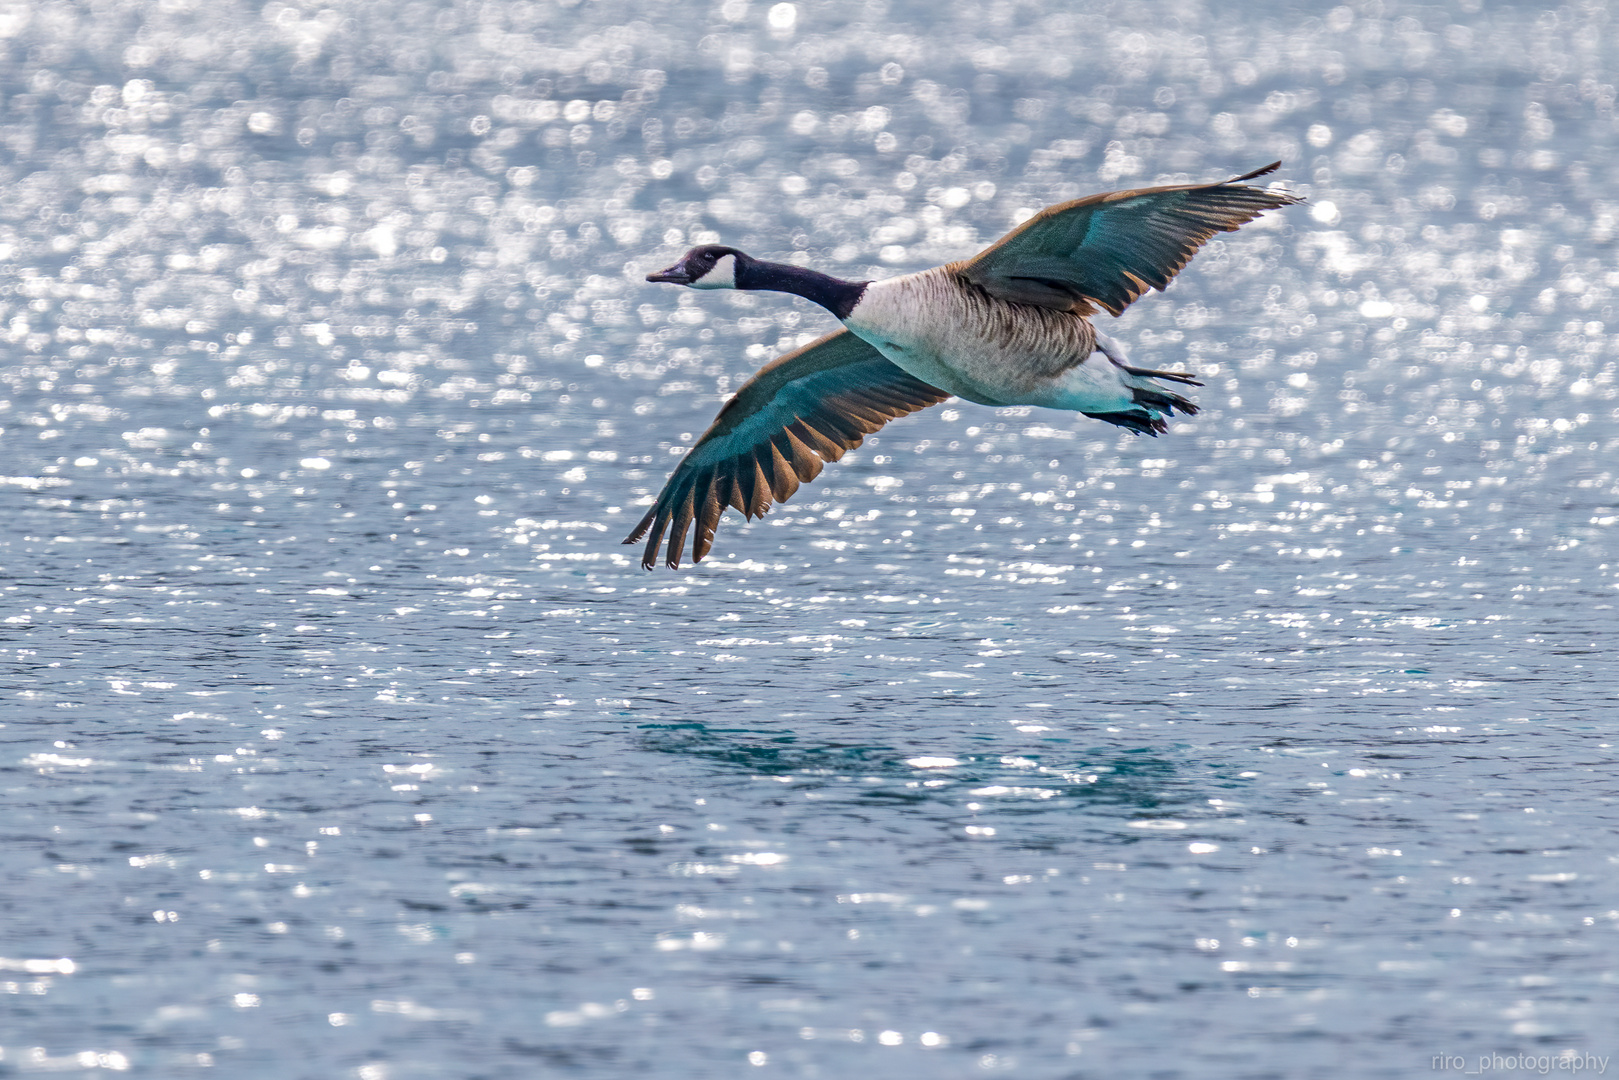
(343, 735)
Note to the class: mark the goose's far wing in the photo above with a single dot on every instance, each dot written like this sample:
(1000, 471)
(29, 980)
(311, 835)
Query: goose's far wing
(1106, 250)
(798, 412)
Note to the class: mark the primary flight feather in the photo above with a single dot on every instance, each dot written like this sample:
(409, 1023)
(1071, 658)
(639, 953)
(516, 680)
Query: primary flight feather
(1010, 326)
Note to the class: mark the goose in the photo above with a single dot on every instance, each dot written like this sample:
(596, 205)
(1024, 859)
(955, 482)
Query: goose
(1009, 326)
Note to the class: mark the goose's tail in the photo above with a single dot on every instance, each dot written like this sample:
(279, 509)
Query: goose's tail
(1173, 376)
(1153, 402)
(1113, 349)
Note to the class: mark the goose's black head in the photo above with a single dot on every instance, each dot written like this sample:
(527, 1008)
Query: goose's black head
(712, 266)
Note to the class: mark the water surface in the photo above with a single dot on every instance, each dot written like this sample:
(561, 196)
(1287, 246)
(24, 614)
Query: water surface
(341, 737)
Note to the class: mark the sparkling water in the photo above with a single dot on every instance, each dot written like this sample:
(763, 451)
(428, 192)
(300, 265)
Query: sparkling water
(343, 738)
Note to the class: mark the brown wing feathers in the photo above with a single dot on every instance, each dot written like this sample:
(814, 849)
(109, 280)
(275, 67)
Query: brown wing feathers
(798, 413)
(1106, 250)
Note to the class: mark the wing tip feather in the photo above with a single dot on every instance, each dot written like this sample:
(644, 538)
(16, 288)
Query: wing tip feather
(803, 432)
(1264, 170)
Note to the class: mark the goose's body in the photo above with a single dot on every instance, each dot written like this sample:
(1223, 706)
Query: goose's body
(942, 329)
(947, 332)
(1010, 326)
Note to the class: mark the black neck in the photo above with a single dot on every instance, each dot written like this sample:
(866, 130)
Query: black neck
(837, 296)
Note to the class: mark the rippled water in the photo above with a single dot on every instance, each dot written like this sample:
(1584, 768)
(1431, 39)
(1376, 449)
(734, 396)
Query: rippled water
(342, 737)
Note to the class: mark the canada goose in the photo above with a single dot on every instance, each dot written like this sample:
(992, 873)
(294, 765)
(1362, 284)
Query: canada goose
(1010, 326)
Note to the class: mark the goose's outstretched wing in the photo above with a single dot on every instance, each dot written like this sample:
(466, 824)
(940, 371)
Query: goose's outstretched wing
(1106, 250)
(798, 412)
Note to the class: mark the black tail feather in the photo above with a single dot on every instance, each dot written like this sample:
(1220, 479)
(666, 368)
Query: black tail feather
(1173, 376)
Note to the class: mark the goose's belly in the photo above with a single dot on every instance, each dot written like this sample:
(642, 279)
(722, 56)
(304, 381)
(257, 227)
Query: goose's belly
(985, 350)
(970, 374)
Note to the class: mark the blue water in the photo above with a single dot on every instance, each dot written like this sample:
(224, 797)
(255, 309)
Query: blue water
(342, 738)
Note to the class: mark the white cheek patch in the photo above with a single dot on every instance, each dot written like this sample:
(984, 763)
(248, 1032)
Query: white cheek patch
(723, 276)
